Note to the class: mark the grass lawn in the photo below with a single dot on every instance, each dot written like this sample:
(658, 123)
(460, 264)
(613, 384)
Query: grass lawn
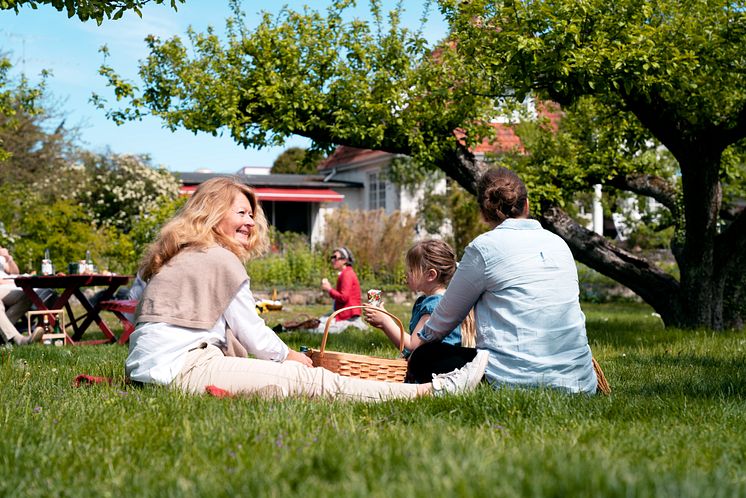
(673, 426)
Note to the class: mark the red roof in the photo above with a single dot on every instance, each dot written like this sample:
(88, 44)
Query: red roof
(504, 140)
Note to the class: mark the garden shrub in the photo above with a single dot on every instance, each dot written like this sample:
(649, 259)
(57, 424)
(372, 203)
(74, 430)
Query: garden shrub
(290, 264)
(379, 242)
(29, 226)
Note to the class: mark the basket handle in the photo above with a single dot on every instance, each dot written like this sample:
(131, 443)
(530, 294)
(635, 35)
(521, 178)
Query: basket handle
(336, 312)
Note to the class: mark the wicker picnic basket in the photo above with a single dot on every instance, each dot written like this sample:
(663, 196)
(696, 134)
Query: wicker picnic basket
(358, 365)
(602, 386)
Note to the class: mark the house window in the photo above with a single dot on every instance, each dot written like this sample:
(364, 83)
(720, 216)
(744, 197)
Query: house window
(377, 191)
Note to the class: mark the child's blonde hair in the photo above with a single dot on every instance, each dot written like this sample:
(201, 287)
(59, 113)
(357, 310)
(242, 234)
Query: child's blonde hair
(437, 255)
(432, 254)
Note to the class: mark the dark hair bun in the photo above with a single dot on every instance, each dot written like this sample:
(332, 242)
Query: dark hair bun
(501, 194)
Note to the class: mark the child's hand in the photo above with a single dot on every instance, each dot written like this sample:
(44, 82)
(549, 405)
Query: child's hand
(375, 317)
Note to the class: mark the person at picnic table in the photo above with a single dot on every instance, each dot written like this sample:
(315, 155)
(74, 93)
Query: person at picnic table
(13, 304)
(346, 293)
(523, 284)
(197, 297)
(430, 266)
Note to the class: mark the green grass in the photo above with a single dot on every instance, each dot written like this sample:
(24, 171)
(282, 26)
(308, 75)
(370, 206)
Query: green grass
(674, 426)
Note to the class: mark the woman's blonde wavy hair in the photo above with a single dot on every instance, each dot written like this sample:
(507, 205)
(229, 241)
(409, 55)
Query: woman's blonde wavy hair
(195, 226)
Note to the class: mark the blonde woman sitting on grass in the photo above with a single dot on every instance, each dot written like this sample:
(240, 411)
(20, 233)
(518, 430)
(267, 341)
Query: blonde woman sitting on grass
(197, 297)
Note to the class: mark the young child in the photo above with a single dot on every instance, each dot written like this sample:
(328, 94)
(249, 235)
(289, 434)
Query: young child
(430, 266)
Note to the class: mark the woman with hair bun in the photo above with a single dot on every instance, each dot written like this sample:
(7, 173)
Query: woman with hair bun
(523, 283)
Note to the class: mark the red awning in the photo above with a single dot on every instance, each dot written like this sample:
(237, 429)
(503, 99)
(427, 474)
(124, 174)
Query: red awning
(285, 194)
(298, 194)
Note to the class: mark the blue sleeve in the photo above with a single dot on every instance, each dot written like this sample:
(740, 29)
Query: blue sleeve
(429, 304)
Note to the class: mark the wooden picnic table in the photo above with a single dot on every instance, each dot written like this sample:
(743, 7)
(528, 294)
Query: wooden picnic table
(72, 285)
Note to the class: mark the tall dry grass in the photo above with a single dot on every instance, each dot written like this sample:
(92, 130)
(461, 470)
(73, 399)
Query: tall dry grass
(377, 240)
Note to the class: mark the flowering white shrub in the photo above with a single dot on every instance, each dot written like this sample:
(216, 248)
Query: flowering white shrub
(118, 190)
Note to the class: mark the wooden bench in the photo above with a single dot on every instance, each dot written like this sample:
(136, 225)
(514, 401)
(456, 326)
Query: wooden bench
(119, 307)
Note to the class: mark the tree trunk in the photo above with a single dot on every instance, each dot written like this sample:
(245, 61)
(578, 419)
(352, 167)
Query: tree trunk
(730, 255)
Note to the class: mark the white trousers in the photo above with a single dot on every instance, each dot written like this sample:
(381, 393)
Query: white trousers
(208, 366)
(13, 304)
(338, 326)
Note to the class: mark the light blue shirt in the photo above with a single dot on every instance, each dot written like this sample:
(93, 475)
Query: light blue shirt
(523, 283)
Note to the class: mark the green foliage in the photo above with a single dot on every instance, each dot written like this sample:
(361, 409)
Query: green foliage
(297, 160)
(88, 9)
(733, 176)
(678, 51)
(336, 81)
(291, 264)
(31, 226)
(146, 228)
(544, 443)
(21, 114)
(590, 144)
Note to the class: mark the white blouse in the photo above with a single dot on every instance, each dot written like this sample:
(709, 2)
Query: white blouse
(157, 350)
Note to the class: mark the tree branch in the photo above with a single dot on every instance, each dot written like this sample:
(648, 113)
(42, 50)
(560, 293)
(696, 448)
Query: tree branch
(652, 284)
(650, 186)
(461, 165)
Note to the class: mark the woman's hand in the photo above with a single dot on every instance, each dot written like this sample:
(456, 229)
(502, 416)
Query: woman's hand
(299, 357)
(375, 317)
(325, 285)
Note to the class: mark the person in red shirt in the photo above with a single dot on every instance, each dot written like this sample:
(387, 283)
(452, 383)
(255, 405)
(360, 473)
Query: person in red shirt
(346, 293)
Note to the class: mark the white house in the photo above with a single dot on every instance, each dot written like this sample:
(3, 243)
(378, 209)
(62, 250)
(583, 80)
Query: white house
(367, 168)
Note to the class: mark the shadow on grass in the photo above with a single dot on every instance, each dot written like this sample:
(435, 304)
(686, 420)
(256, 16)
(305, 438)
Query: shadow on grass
(685, 374)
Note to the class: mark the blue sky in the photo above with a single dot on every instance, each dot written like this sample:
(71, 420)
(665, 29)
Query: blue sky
(47, 39)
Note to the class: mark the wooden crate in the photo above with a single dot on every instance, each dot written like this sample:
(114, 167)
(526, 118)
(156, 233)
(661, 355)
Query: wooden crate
(51, 338)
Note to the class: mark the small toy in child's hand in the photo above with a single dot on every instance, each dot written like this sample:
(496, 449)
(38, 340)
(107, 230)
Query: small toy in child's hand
(374, 297)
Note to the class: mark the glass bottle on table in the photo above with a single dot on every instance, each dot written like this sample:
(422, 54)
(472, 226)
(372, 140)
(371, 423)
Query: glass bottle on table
(46, 264)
